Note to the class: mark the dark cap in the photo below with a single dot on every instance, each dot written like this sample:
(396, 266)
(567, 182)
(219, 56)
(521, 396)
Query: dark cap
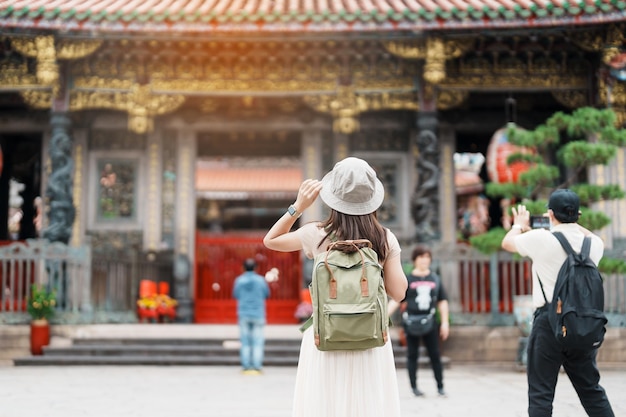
(565, 205)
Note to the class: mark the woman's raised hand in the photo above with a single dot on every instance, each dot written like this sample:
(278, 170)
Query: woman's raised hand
(307, 194)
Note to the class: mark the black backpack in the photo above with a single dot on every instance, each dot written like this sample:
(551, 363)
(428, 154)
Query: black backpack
(576, 313)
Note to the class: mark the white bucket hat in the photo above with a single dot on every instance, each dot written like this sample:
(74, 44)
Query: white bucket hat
(352, 188)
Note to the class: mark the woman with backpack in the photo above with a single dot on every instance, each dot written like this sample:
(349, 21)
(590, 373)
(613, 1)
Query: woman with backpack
(344, 383)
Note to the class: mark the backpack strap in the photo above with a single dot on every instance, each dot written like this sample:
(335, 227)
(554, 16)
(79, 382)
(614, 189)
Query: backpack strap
(564, 243)
(352, 246)
(542, 290)
(584, 251)
(308, 323)
(568, 250)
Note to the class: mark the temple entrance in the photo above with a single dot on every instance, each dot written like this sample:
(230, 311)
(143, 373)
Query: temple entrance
(20, 186)
(242, 186)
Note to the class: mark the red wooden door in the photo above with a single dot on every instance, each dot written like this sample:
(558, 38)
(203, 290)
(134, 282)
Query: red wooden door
(219, 260)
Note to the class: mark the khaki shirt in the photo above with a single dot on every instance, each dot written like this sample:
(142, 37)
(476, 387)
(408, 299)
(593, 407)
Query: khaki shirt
(548, 256)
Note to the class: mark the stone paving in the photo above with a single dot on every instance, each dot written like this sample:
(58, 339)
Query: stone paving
(195, 391)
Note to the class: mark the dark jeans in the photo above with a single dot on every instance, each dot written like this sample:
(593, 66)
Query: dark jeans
(431, 341)
(545, 357)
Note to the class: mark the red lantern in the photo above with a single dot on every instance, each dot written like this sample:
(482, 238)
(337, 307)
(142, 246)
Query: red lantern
(497, 154)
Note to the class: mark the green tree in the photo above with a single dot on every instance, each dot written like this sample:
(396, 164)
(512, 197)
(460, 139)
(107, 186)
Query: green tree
(566, 146)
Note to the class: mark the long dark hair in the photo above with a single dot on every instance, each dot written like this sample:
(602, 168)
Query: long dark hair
(341, 226)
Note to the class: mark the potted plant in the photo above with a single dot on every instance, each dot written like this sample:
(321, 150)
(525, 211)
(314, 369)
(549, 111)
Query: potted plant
(41, 307)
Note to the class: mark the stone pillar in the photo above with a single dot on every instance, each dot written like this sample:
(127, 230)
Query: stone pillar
(152, 226)
(449, 267)
(341, 147)
(80, 186)
(59, 188)
(425, 199)
(185, 226)
(447, 190)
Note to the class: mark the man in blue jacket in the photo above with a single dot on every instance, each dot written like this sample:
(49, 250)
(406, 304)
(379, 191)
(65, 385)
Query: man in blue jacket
(251, 291)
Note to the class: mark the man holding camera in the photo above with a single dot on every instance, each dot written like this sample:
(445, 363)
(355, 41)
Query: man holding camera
(545, 355)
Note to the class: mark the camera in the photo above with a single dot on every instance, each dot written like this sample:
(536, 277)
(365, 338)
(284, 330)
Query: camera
(540, 222)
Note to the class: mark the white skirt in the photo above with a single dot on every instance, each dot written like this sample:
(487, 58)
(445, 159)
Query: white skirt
(345, 383)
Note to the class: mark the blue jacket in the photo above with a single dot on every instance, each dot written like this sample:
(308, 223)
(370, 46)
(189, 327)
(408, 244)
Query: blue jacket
(251, 290)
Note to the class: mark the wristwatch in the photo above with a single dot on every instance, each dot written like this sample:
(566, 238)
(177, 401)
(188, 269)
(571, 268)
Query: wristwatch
(293, 212)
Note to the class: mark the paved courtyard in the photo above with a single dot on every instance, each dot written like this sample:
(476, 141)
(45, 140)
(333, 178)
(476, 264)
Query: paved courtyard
(141, 391)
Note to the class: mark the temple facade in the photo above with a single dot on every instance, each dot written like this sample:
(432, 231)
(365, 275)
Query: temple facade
(184, 126)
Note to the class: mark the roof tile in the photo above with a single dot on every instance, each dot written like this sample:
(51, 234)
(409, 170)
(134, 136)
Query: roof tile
(300, 15)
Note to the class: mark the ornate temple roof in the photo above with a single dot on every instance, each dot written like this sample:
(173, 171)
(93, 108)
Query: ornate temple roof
(206, 16)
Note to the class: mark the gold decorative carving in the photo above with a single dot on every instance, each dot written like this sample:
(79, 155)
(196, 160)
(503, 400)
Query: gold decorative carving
(517, 81)
(512, 72)
(275, 86)
(455, 48)
(434, 50)
(572, 99)
(609, 43)
(140, 103)
(406, 49)
(435, 67)
(15, 75)
(615, 98)
(67, 49)
(93, 83)
(614, 44)
(41, 48)
(391, 101)
(222, 85)
(346, 105)
(393, 84)
(25, 46)
(78, 194)
(449, 99)
(591, 41)
(47, 68)
(37, 99)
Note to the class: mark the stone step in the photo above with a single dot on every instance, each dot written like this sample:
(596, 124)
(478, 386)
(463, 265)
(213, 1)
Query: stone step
(174, 351)
(151, 341)
(232, 360)
(161, 349)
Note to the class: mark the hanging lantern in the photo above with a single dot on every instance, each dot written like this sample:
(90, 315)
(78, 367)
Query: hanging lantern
(498, 152)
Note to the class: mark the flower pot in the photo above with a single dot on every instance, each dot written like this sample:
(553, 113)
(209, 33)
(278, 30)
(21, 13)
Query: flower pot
(39, 336)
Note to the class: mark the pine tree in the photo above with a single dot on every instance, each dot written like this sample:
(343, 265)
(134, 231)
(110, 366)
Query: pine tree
(566, 146)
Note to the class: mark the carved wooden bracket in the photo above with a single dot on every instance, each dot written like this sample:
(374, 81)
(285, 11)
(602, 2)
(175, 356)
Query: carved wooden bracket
(346, 105)
(435, 51)
(140, 103)
(609, 43)
(614, 97)
(47, 52)
(42, 49)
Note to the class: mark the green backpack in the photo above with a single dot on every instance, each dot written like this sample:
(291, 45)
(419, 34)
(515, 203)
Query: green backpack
(349, 297)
